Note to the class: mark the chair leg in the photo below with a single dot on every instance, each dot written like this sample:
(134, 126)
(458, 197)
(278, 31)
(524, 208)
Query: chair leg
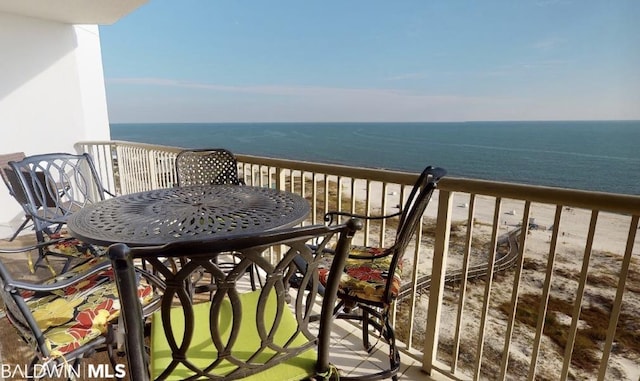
(66, 266)
(112, 351)
(394, 353)
(42, 253)
(34, 266)
(379, 321)
(252, 278)
(42, 258)
(21, 228)
(365, 331)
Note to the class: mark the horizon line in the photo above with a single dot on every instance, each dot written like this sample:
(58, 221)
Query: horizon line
(395, 122)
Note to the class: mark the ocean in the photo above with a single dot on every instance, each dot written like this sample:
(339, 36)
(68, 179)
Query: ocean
(590, 155)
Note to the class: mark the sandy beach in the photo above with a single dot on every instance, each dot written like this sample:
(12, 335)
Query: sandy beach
(604, 266)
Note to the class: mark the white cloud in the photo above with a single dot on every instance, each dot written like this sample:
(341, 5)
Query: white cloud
(549, 43)
(305, 91)
(518, 69)
(402, 77)
(329, 104)
(288, 103)
(549, 3)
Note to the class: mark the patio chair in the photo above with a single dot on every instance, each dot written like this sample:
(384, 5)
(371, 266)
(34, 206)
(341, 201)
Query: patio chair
(65, 318)
(372, 275)
(207, 167)
(55, 185)
(211, 166)
(15, 191)
(266, 334)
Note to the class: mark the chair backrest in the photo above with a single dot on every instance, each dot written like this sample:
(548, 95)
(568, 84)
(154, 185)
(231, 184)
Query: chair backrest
(234, 332)
(207, 167)
(18, 192)
(412, 212)
(9, 177)
(62, 182)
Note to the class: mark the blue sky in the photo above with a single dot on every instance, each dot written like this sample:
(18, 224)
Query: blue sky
(370, 60)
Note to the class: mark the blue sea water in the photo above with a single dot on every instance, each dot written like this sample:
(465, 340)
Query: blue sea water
(591, 155)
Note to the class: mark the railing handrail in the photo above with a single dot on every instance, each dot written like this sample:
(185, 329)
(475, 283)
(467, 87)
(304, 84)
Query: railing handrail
(128, 143)
(602, 201)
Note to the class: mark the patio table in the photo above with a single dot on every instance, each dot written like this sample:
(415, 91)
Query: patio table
(162, 216)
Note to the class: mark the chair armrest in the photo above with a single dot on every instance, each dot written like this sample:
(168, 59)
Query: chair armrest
(40, 245)
(331, 251)
(329, 216)
(55, 283)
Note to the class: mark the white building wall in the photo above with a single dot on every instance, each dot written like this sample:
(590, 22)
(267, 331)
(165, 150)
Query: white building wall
(51, 92)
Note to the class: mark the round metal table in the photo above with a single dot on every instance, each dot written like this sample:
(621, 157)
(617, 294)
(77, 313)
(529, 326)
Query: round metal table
(196, 212)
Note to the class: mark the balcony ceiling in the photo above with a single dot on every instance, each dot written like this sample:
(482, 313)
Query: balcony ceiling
(101, 12)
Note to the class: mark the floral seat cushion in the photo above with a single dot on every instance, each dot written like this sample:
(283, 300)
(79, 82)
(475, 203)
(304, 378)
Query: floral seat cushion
(366, 278)
(74, 247)
(75, 315)
(69, 247)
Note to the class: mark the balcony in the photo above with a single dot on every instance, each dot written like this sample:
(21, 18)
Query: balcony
(504, 281)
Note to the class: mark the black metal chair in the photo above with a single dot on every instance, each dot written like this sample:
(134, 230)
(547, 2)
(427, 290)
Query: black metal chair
(55, 185)
(269, 333)
(372, 275)
(211, 166)
(207, 167)
(67, 317)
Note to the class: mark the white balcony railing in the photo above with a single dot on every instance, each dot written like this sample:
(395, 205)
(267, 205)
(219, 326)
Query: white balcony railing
(505, 281)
